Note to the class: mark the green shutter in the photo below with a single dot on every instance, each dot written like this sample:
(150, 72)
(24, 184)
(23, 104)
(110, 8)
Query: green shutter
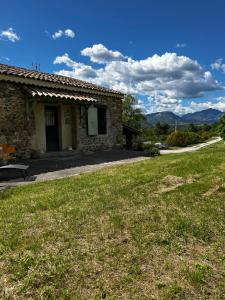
(92, 121)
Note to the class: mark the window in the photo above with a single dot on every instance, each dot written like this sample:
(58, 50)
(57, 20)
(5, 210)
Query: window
(92, 121)
(96, 120)
(102, 124)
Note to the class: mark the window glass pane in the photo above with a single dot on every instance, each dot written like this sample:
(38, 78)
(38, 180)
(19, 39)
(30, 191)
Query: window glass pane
(102, 124)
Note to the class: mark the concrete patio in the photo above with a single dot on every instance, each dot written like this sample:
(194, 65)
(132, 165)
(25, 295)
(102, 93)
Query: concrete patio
(68, 165)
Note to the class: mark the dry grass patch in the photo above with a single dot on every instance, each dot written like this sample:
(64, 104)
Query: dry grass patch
(171, 182)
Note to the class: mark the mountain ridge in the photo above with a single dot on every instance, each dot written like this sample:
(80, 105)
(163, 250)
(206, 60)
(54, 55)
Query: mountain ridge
(206, 116)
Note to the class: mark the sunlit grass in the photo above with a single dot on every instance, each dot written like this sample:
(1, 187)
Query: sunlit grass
(115, 234)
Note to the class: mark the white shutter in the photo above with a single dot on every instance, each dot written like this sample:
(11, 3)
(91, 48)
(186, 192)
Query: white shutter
(92, 121)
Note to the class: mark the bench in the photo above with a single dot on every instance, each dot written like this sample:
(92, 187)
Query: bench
(22, 168)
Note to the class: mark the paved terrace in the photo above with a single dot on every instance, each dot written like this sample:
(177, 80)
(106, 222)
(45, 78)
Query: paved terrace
(68, 165)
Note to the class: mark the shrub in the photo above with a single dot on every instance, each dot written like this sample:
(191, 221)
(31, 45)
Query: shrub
(205, 135)
(177, 138)
(193, 138)
(183, 138)
(151, 150)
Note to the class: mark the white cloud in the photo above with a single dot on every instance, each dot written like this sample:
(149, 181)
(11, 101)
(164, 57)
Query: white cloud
(140, 104)
(158, 102)
(60, 33)
(79, 70)
(181, 45)
(163, 79)
(10, 35)
(218, 103)
(69, 33)
(218, 65)
(98, 53)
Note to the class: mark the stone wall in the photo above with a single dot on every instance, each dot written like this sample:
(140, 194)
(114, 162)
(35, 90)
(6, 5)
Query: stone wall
(113, 137)
(15, 128)
(17, 123)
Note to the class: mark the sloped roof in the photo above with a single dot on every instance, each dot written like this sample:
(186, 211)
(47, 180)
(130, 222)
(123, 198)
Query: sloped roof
(53, 78)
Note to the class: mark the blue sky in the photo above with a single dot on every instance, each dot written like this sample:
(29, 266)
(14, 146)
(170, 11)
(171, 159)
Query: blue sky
(169, 54)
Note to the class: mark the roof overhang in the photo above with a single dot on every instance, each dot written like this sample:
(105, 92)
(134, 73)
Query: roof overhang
(58, 94)
(52, 85)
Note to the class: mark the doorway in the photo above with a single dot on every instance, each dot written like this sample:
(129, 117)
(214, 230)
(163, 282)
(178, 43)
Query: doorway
(52, 128)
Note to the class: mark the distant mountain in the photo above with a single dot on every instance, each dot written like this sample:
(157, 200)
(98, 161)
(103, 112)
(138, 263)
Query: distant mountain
(207, 116)
(163, 117)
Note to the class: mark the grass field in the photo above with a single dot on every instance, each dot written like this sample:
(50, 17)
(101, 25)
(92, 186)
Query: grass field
(149, 230)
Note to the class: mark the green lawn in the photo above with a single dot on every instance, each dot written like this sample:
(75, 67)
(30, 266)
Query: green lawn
(120, 233)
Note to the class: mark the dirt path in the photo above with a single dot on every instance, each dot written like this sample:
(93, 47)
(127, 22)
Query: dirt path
(192, 148)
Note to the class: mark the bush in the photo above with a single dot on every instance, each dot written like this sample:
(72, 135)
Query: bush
(177, 138)
(183, 138)
(151, 150)
(205, 135)
(193, 138)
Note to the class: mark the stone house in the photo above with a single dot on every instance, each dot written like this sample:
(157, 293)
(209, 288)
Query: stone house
(41, 112)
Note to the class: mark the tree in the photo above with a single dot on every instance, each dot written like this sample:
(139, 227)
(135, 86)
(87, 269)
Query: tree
(192, 128)
(131, 115)
(162, 129)
(207, 127)
(149, 135)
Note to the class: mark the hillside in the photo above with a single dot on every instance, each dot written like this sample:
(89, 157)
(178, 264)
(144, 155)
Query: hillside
(150, 228)
(163, 117)
(208, 116)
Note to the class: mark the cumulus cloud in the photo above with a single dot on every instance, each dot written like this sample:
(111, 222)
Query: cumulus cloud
(217, 103)
(79, 70)
(98, 53)
(181, 45)
(218, 65)
(158, 102)
(9, 35)
(165, 80)
(60, 33)
(69, 33)
(140, 104)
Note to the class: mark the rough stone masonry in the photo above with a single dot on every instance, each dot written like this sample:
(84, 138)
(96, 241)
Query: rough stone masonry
(17, 121)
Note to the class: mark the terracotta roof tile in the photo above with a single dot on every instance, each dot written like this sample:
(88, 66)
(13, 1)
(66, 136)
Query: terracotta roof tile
(63, 80)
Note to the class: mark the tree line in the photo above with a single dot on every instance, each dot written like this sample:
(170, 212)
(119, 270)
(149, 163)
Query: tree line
(164, 133)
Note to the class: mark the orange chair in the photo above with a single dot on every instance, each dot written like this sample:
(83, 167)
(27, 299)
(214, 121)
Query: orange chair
(7, 152)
